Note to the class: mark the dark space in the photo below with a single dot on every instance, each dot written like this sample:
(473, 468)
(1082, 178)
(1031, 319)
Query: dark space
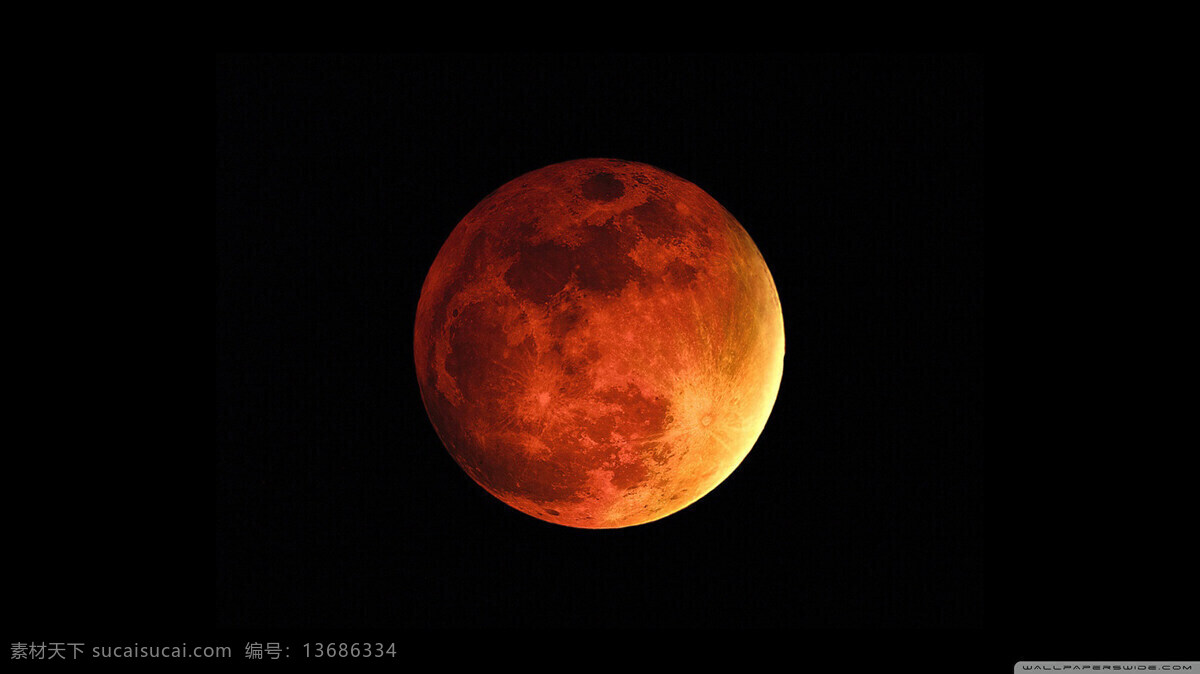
(868, 522)
(861, 179)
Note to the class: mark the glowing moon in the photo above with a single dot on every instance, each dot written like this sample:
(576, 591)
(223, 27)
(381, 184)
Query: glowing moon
(599, 343)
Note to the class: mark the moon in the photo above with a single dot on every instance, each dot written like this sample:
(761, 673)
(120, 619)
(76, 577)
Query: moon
(599, 343)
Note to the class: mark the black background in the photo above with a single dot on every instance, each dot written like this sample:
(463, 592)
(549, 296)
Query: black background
(331, 511)
(860, 178)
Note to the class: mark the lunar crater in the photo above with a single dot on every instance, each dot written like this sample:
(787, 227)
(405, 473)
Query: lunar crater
(603, 186)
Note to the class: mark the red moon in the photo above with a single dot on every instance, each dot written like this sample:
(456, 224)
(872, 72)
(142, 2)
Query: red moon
(599, 343)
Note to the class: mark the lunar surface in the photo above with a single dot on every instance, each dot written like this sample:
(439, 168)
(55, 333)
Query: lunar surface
(599, 343)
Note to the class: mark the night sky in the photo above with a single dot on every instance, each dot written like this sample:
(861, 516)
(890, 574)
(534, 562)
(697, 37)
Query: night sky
(861, 179)
(324, 507)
